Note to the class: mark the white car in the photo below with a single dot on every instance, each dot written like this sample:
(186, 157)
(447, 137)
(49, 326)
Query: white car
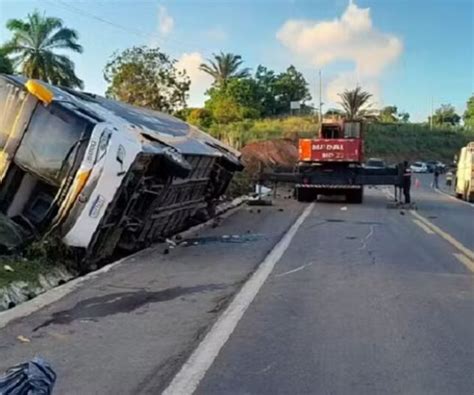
(419, 167)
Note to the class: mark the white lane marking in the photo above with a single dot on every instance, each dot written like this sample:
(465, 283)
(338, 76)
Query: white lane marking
(423, 226)
(446, 236)
(465, 261)
(194, 369)
(294, 270)
(453, 197)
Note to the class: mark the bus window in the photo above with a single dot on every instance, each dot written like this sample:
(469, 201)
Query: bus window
(11, 99)
(51, 142)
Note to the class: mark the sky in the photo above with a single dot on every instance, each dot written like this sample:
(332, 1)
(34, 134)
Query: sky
(408, 53)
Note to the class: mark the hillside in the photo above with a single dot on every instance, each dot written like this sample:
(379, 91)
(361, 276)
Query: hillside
(274, 142)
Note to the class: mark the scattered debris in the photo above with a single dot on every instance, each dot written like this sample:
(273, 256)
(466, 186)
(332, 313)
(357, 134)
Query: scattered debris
(35, 377)
(23, 339)
(344, 208)
(259, 202)
(8, 268)
(248, 237)
(280, 209)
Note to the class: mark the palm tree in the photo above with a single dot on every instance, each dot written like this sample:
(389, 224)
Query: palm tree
(354, 101)
(224, 67)
(33, 48)
(5, 63)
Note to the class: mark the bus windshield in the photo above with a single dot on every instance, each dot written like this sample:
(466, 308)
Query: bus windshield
(52, 142)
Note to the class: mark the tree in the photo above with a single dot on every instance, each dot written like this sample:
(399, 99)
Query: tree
(147, 77)
(33, 49)
(226, 110)
(355, 102)
(445, 115)
(289, 86)
(6, 66)
(404, 117)
(388, 114)
(266, 80)
(200, 117)
(224, 67)
(468, 116)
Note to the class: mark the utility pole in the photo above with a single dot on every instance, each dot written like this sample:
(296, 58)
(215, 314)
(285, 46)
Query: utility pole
(431, 117)
(320, 99)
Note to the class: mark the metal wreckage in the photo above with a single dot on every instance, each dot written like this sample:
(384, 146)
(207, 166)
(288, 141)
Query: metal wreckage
(100, 174)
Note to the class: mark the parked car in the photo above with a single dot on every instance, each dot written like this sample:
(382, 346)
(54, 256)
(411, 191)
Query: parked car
(435, 164)
(375, 163)
(419, 167)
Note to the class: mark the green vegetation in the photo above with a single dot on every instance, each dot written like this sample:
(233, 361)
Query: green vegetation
(397, 142)
(40, 257)
(355, 102)
(5, 63)
(468, 116)
(445, 116)
(393, 141)
(265, 94)
(238, 134)
(147, 77)
(224, 67)
(34, 44)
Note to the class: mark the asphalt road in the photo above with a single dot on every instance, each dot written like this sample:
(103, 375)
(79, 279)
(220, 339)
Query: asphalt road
(364, 300)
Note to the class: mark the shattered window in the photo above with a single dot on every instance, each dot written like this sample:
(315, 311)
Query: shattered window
(51, 142)
(11, 99)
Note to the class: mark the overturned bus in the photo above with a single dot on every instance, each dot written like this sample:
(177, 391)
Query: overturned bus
(100, 174)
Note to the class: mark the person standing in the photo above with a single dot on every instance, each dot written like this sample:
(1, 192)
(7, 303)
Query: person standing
(406, 182)
(436, 178)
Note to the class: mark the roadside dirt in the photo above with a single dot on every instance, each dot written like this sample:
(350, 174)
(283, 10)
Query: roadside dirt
(269, 153)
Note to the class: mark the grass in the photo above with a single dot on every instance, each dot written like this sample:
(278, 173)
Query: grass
(393, 142)
(40, 257)
(414, 142)
(24, 270)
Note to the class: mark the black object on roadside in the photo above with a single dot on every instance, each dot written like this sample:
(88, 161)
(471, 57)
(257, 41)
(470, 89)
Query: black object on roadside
(35, 377)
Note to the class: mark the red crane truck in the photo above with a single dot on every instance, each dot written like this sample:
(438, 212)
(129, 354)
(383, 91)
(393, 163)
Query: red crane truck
(332, 164)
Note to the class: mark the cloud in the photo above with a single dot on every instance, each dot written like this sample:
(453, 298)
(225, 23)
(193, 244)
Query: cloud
(165, 21)
(200, 81)
(351, 37)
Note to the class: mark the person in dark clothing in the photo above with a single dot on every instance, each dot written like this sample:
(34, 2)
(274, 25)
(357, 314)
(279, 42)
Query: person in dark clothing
(436, 178)
(406, 182)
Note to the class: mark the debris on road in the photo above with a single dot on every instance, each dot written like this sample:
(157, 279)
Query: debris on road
(23, 339)
(35, 377)
(221, 239)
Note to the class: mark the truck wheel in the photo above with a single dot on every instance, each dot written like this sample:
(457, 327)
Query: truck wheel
(355, 196)
(304, 194)
(301, 194)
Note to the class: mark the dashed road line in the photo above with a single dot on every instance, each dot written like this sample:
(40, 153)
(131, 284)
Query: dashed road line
(465, 261)
(188, 378)
(423, 226)
(446, 236)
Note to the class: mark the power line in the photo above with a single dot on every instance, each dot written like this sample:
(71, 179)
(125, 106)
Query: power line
(161, 41)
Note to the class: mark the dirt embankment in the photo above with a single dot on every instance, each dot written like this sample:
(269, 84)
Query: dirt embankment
(269, 153)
